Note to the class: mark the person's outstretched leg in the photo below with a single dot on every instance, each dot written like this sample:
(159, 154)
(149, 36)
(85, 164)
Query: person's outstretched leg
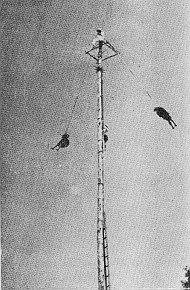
(174, 123)
(53, 147)
(169, 121)
(57, 145)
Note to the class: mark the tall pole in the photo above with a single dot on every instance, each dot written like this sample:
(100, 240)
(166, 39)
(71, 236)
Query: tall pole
(100, 197)
(102, 243)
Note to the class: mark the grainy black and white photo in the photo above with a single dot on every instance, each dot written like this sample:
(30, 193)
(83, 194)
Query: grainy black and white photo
(95, 144)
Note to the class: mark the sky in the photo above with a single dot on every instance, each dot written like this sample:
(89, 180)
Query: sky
(49, 198)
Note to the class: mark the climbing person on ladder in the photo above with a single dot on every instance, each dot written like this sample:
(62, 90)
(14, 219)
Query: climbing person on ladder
(105, 131)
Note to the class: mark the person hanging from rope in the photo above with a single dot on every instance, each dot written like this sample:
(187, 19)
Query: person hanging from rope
(105, 131)
(162, 113)
(64, 142)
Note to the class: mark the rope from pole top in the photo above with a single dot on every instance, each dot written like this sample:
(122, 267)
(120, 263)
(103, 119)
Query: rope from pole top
(70, 119)
(135, 77)
(75, 102)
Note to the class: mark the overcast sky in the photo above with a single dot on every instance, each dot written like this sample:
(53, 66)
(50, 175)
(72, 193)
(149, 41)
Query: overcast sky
(49, 198)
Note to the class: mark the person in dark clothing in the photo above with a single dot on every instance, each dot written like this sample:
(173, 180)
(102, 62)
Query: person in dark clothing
(105, 138)
(162, 113)
(64, 142)
(105, 132)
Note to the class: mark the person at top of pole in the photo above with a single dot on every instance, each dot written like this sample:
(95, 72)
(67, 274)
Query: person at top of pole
(99, 37)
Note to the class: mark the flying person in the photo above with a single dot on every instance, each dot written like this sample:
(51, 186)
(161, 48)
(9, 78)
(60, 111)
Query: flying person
(162, 113)
(64, 142)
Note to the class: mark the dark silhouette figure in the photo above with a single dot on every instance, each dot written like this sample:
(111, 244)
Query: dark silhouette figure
(64, 142)
(105, 138)
(162, 113)
(105, 131)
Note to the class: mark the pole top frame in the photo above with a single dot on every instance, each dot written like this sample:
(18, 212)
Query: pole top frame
(101, 41)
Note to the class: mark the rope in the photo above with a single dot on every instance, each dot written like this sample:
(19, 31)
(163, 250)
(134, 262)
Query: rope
(135, 77)
(69, 122)
(76, 99)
